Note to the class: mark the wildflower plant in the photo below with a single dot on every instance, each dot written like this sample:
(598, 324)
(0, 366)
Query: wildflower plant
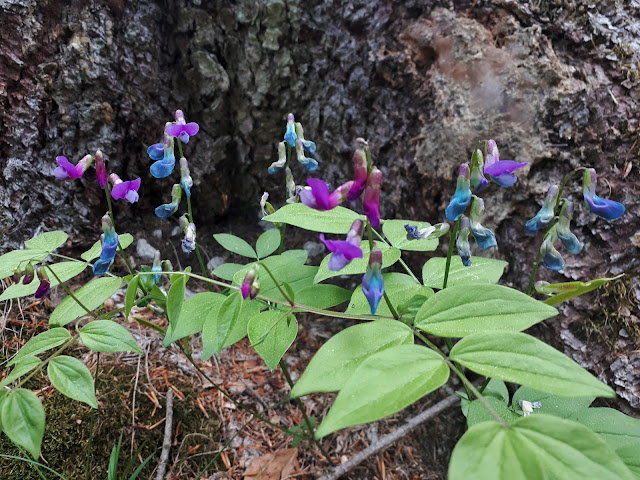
(408, 335)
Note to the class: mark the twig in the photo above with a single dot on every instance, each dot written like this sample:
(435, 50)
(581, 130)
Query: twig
(387, 440)
(166, 443)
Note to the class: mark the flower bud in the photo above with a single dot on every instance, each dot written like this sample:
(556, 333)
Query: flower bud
(462, 242)
(101, 171)
(249, 284)
(45, 286)
(484, 237)
(282, 159)
(290, 135)
(550, 256)
(371, 199)
(168, 209)
(372, 282)
(156, 267)
(186, 182)
(568, 239)
(29, 274)
(360, 170)
(17, 275)
(476, 174)
(546, 213)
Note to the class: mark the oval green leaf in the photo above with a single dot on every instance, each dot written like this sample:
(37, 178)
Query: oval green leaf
(22, 367)
(235, 245)
(19, 258)
(271, 334)
(337, 220)
(64, 271)
(194, 313)
(47, 241)
(23, 420)
(175, 298)
(73, 379)
(322, 296)
(108, 336)
(92, 295)
(482, 270)
(41, 343)
(616, 428)
(219, 323)
(268, 242)
(554, 405)
(226, 271)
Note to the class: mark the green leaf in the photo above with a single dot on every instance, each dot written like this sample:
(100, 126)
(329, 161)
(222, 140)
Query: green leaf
(482, 270)
(130, 297)
(300, 255)
(337, 220)
(218, 324)
(175, 298)
(478, 413)
(338, 358)
(23, 367)
(194, 313)
(535, 447)
(467, 309)
(272, 263)
(271, 334)
(73, 379)
(64, 270)
(629, 455)
(397, 235)
(399, 288)
(47, 241)
(390, 255)
(322, 296)
(108, 336)
(295, 275)
(235, 245)
(561, 407)
(384, 384)
(238, 329)
(616, 428)
(92, 296)
(124, 239)
(41, 343)
(520, 358)
(226, 271)
(288, 289)
(268, 242)
(561, 292)
(23, 420)
(19, 259)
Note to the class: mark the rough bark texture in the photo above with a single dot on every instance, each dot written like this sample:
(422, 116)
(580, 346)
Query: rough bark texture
(554, 82)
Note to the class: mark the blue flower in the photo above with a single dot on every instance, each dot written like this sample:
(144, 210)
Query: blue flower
(484, 237)
(604, 208)
(163, 166)
(372, 282)
(290, 135)
(546, 213)
(568, 239)
(308, 145)
(282, 159)
(168, 209)
(309, 164)
(500, 171)
(462, 242)
(461, 197)
(109, 247)
(550, 256)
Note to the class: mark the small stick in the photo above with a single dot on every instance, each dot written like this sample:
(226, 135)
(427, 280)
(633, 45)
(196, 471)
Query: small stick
(387, 440)
(166, 443)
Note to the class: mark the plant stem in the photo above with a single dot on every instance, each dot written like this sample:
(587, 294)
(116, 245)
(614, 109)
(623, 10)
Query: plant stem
(93, 412)
(66, 289)
(452, 241)
(391, 308)
(107, 192)
(312, 437)
(404, 265)
(286, 297)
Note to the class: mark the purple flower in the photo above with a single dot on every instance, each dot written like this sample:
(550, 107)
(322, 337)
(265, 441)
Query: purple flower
(372, 282)
(568, 239)
(250, 284)
(189, 240)
(318, 197)
(181, 128)
(604, 208)
(168, 209)
(500, 171)
(101, 171)
(462, 242)
(127, 190)
(164, 165)
(484, 237)
(343, 251)
(371, 199)
(282, 159)
(461, 197)
(550, 256)
(186, 182)
(45, 286)
(360, 170)
(67, 170)
(546, 213)
(109, 246)
(309, 164)
(290, 135)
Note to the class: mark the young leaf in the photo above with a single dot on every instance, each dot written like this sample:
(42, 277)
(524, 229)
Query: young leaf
(337, 220)
(23, 420)
(536, 446)
(520, 358)
(322, 296)
(339, 357)
(194, 313)
(561, 407)
(390, 255)
(47, 241)
(108, 336)
(235, 245)
(561, 292)
(130, 297)
(218, 324)
(19, 258)
(238, 329)
(73, 379)
(397, 235)
(124, 239)
(92, 295)
(384, 384)
(268, 243)
(175, 298)
(23, 367)
(64, 270)
(41, 343)
(482, 270)
(399, 288)
(478, 413)
(226, 271)
(466, 309)
(616, 428)
(271, 334)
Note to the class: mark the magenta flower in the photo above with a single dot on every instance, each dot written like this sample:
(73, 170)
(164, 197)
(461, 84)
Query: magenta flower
(343, 251)
(372, 282)
(250, 284)
(45, 286)
(181, 128)
(360, 170)
(29, 274)
(127, 190)
(371, 200)
(500, 171)
(101, 171)
(318, 197)
(67, 170)
(602, 207)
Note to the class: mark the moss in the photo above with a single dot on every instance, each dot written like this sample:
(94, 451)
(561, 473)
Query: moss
(68, 422)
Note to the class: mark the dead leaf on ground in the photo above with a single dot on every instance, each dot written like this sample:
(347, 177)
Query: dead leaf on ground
(274, 466)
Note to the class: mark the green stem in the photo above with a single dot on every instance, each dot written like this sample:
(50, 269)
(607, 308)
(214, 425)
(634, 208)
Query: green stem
(66, 289)
(285, 296)
(391, 308)
(107, 192)
(404, 265)
(452, 241)
(93, 412)
(312, 437)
